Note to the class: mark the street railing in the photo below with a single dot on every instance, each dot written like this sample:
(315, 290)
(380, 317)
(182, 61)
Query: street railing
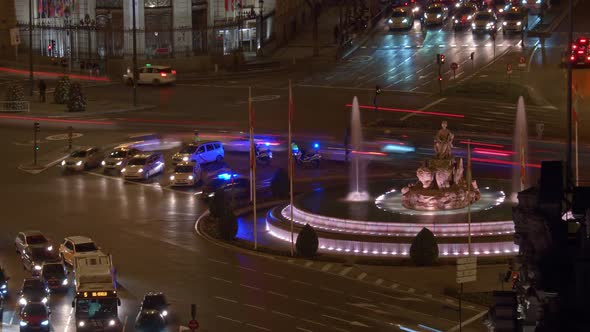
(15, 106)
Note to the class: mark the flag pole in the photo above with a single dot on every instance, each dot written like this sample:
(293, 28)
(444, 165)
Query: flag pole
(468, 197)
(291, 168)
(575, 116)
(252, 165)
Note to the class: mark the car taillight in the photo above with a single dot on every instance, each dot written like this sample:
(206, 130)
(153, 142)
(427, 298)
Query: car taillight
(574, 46)
(580, 52)
(572, 58)
(583, 41)
(174, 72)
(163, 74)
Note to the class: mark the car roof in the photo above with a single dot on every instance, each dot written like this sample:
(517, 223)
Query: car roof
(32, 232)
(77, 239)
(202, 142)
(144, 155)
(123, 147)
(187, 163)
(153, 294)
(32, 280)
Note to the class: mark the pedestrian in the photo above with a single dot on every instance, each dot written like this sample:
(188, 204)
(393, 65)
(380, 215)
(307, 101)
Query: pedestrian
(336, 34)
(347, 144)
(42, 89)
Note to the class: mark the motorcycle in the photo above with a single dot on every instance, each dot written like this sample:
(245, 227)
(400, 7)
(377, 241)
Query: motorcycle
(263, 156)
(303, 159)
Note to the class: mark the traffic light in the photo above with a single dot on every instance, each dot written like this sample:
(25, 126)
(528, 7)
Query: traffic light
(52, 44)
(36, 127)
(377, 89)
(440, 58)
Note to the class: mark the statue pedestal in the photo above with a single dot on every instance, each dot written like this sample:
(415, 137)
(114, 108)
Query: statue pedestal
(441, 186)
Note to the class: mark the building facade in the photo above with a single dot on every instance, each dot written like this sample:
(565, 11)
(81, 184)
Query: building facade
(93, 30)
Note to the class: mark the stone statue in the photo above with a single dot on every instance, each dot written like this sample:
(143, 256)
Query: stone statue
(443, 142)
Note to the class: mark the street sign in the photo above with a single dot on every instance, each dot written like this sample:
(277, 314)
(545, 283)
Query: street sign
(193, 325)
(509, 69)
(466, 269)
(522, 62)
(454, 66)
(14, 37)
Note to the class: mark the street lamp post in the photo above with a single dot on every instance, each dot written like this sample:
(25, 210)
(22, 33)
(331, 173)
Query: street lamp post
(260, 23)
(134, 59)
(68, 23)
(31, 46)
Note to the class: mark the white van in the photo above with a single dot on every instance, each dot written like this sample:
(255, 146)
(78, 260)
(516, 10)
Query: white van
(202, 152)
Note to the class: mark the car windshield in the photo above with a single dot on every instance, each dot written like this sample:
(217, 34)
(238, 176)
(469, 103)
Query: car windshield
(35, 309)
(53, 270)
(86, 247)
(137, 161)
(188, 149)
(434, 10)
(399, 14)
(42, 254)
(154, 302)
(483, 17)
(96, 308)
(36, 239)
(33, 287)
(512, 16)
(183, 169)
(118, 154)
(78, 154)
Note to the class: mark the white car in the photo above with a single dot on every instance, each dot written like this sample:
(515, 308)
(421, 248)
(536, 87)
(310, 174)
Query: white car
(514, 21)
(154, 75)
(77, 246)
(32, 239)
(435, 14)
(118, 158)
(484, 21)
(82, 159)
(144, 165)
(186, 174)
(401, 18)
(202, 152)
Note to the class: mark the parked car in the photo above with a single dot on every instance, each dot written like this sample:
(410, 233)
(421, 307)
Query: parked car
(55, 275)
(186, 174)
(33, 259)
(118, 158)
(152, 74)
(202, 152)
(34, 239)
(34, 317)
(77, 246)
(144, 165)
(81, 159)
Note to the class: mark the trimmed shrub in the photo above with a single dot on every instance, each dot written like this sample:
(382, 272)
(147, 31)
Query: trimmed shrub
(16, 95)
(227, 225)
(77, 101)
(307, 242)
(218, 204)
(424, 249)
(62, 90)
(279, 185)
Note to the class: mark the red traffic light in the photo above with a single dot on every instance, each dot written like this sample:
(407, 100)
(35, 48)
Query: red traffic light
(440, 78)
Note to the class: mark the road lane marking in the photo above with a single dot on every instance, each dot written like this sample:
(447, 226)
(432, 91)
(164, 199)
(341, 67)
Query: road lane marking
(302, 329)
(355, 323)
(258, 327)
(230, 319)
(312, 322)
(278, 294)
(345, 271)
(218, 261)
(411, 290)
(301, 282)
(378, 281)
(306, 301)
(332, 290)
(361, 276)
(253, 306)
(274, 275)
(308, 264)
(415, 299)
(226, 299)
(282, 314)
(469, 321)
(423, 109)
(326, 267)
(361, 298)
(125, 322)
(221, 279)
(251, 287)
(246, 268)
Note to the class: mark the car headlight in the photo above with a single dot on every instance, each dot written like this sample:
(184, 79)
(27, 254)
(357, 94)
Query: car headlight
(184, 158)
(103, 163)
(456, 21)
(473, 25)
(79, 163)
(120, 163)
(22, 301)
(37, 267)
(44, 300)
(388, 21)
(405, 20)
(63, 162)
(469, 17)
(190, 177)
(438, 15)
(65, 282)
(211, 195)
(164, 313)
(519, 23)
(49, 248)
(3, 286)
(112, 322)
(457, 5)
(501, 10)
(504, 23)
(45, 322)
(171, 177)
(415, 9)
(81, 323)
(140, 170)
(23, 323)
(123, 170)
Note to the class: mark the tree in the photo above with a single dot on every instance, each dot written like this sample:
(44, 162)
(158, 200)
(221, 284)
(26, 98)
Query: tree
(15, 96)
(227, 225)
(424, 249)
(62, 90)
(307, 242)
(279, 185)
(315, 6)
(77, 100)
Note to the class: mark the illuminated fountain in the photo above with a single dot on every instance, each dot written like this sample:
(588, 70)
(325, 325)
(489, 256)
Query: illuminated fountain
(358, 166)
(520, 148)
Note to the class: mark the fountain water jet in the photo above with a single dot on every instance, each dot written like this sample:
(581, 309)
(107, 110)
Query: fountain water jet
(520, 147)
(358, 176)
